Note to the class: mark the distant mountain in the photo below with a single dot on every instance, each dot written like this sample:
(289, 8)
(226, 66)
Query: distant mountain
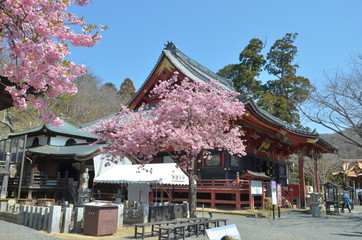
(345, 150)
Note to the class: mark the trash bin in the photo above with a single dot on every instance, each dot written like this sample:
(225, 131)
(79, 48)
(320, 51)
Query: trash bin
(100, 218)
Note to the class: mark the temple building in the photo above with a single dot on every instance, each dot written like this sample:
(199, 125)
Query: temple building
(269, 142)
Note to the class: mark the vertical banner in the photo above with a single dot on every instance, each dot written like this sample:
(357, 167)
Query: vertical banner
(274, 192)
(280, 197)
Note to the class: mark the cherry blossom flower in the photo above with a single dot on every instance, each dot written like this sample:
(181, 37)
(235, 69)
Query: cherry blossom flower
(35, 34)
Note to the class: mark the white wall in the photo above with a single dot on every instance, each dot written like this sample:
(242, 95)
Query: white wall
(54, 141)
(42, 140)
(61, 140)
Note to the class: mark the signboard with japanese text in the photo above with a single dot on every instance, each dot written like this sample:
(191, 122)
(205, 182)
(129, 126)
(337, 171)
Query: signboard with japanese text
(256, 187)
(274, 192)
(178, 178)
(219, 232)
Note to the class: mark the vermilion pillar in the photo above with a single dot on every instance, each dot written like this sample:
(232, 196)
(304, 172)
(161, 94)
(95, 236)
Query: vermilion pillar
(301, 180)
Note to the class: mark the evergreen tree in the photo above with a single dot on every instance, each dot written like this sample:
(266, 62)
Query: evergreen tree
(283, 93)
(244, 73)
(126, 91)
(279, 96)
(109, 86)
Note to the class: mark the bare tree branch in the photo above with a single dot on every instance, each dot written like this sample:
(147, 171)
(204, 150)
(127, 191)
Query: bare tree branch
(338, 105)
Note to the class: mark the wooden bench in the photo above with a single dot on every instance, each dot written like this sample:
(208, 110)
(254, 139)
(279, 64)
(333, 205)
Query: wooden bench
(156, 225)
(166, 230)
(215, 222)
(190, 227)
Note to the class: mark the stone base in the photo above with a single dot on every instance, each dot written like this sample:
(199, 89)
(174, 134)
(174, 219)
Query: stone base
(84, 196)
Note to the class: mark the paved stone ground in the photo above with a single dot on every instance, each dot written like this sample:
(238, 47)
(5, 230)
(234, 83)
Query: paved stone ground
(11, 231)
(291, 226)
(299, 226)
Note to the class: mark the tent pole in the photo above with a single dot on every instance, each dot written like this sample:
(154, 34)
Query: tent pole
(156, 192)
(161, 192)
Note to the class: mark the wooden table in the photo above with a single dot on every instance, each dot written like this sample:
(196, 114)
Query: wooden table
(194, 227)
(159, 224)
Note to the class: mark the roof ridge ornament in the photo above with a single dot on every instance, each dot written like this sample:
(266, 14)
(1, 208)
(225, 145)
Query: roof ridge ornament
(170, 46)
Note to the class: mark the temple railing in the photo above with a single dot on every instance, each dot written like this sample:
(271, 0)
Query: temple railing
(38, 181)
(223, 183)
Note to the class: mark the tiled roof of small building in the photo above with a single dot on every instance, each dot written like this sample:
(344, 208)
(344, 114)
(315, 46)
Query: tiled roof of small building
(65, 129)
(90, 125)
(96, 123)
(75, 150)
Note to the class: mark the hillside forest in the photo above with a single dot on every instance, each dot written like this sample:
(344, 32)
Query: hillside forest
(93, 101)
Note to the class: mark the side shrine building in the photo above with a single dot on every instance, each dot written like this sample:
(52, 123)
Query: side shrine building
(269, 142)
(47, 163)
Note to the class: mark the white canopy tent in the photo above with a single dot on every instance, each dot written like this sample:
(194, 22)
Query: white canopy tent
(139, 177)
(157, 173)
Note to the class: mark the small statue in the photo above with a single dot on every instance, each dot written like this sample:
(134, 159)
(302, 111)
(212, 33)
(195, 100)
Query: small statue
(13, 170)
(85, 179)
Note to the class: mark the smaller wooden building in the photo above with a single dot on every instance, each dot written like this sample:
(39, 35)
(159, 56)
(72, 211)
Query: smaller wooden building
(47, 162)
(351, 173)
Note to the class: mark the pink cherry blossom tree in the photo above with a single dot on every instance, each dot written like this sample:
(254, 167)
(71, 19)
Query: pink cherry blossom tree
(190, 117)
(35, 35)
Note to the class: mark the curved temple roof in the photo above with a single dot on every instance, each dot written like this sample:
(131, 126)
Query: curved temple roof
(277, 121)
(196, 71)
(192, 69)
(76, 150)
(65, 129)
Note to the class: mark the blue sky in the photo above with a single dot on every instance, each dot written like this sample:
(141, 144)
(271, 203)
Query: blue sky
(215, 32)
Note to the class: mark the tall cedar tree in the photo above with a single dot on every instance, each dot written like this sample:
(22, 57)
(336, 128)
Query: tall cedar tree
(287, 90)
(280, 96)
(244, 73)
(126, 91)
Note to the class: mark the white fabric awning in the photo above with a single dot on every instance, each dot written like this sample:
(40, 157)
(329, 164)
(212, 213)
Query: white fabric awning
(157, 173)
